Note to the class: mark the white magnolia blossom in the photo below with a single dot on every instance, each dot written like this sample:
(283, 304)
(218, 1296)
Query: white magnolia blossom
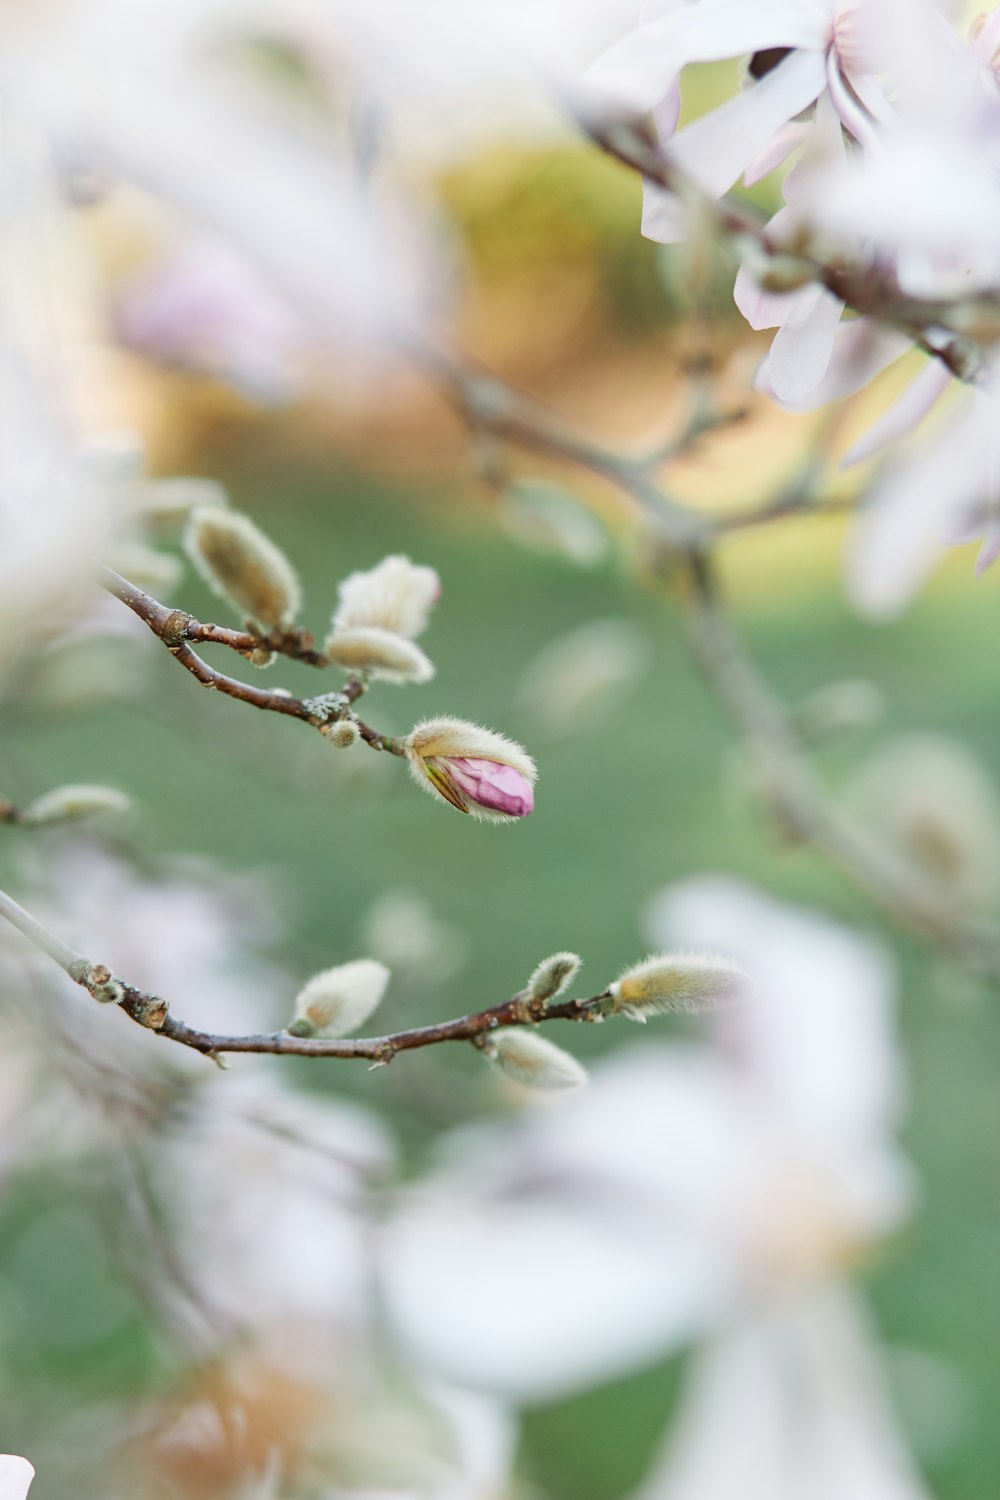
(688, 1187)
(894, 112)
(790, 1405)
(269, 1190)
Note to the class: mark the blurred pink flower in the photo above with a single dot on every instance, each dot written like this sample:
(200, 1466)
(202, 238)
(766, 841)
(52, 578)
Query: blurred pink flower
(202, 308)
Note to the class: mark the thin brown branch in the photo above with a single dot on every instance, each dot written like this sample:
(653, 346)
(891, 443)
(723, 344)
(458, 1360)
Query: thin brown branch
(152, 1012)
(173, 627)
(798, 798)
(797, 795)
(868, 288)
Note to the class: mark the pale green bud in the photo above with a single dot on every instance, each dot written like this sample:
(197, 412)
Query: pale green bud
(243, 566)
(532, 1061)
(670, 982)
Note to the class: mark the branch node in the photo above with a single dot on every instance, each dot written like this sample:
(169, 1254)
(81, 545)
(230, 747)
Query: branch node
(175, 628)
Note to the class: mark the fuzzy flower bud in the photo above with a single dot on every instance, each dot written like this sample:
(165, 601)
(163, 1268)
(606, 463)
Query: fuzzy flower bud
(553, 975)
(533, 1061)
(379, 653)
(397, 596)
(68, 803)
(477, 770)
(337, 1001)
(343, 734)
(669, 982)
(243, 566)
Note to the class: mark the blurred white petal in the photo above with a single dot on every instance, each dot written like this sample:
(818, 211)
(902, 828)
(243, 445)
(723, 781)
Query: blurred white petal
(788, 1404)
(637, 71)
(905, 413)
(716, 149)
(803, 346)
(898, 535)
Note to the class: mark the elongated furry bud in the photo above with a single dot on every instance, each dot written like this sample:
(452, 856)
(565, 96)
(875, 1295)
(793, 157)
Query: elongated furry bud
(670, 982)
(380, 653)
(65, 804)
(533, 1061)
(397, 596)
(477, 770)
(243, 566)
(337, 1001)
(553, 975)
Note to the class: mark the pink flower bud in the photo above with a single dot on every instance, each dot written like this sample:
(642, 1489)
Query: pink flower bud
(490, 783)
(476, 770)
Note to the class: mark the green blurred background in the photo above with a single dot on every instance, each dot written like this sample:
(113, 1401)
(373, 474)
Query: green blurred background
(644, 791)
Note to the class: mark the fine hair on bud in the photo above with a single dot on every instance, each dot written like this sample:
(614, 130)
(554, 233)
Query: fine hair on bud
(669, 982)
(476, 770)
(379, 653)
(243, 566)
(553, 975)
(397, 596)
(337, 1001)
(68, 803)
(532, 1061)
(343, 734)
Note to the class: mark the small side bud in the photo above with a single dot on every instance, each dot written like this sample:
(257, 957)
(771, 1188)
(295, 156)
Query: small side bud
(243, 566)
(102, 984)
(532, 1061)
(337, 1001)
(379, 653)
(553, 975)
(671, 982)
(65, 804)
(261, 656)
(342, 735)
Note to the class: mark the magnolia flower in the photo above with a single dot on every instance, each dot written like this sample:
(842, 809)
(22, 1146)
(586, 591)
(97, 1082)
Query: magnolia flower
(687, 1188)
(788, 1406)
(946, 490)
(268, 1193)
(477, 770)
(800, 50)
(16, 1475)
